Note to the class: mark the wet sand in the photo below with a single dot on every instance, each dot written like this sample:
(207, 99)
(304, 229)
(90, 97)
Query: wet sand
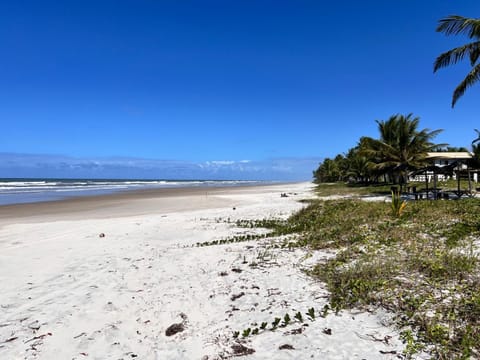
(125, 203)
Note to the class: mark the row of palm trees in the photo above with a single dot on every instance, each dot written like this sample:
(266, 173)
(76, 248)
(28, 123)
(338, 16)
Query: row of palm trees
(400, 150)
(401, 147)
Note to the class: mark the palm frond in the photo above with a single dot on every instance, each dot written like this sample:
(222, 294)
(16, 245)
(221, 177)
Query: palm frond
(478, 137)
(474, 53)
(458, 54)
(436, 147)
(472, 77)
(434, 133)
(455, 25)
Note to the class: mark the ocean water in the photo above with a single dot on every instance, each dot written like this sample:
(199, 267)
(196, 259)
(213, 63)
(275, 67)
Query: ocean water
(17, 191)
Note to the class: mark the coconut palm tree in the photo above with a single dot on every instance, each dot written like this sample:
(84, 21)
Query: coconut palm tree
(401, 147)
(455, 25)
(359, 168)
(327, 171)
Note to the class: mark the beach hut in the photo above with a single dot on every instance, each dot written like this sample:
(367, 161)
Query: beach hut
(448, 164)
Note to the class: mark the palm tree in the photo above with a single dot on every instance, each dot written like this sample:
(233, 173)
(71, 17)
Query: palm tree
(327, 171)
(401, 147)
(455, 25)
(359, 168)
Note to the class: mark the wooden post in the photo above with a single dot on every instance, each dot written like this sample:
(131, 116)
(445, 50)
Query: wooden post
(458, 180)
(469, 181)
(426, 181)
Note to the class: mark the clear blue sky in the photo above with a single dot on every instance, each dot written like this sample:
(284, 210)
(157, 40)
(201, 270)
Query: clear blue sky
(228, 80)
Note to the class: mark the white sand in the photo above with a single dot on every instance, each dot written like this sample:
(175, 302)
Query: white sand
(67, 293)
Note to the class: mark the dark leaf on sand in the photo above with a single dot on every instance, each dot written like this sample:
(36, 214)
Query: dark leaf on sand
(286, 347)
(237, 296)
(39, 337)
(294, 331)
(393, 352)
(11, 339)
(174, 328)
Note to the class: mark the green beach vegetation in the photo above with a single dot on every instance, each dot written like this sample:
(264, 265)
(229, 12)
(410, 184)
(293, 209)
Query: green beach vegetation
(420, 262)
(423, 266)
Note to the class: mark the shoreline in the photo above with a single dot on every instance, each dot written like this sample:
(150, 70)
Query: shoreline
(72, 207)
(24, 191)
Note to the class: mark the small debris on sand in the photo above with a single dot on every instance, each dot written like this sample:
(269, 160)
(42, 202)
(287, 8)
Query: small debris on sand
(237, 296)
(295, 331)
(239, 350)
(174, 328)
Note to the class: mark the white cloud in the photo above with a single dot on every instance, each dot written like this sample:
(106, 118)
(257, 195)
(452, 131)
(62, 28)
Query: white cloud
(221, 162)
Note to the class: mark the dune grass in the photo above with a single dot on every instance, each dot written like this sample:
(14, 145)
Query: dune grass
(423, 266)
(340, 188)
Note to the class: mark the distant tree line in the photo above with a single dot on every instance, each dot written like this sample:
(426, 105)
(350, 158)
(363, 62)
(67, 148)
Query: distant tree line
(400, 149)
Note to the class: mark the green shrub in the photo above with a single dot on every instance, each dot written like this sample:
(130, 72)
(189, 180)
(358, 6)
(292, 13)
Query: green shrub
(422, 265)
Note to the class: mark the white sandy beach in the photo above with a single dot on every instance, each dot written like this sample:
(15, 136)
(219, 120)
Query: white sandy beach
(68, 293)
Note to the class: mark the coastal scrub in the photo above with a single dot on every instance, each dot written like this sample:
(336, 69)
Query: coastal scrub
(423, 267)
